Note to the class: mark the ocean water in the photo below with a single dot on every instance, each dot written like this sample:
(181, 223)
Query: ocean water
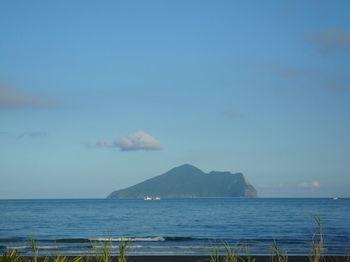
(179, 226)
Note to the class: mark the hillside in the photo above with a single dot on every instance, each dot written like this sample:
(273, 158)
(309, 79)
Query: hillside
(187, 181)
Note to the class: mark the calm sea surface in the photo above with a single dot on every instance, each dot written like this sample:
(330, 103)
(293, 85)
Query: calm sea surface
(167, 227)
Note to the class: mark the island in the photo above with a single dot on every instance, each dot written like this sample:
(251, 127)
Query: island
(187, 181)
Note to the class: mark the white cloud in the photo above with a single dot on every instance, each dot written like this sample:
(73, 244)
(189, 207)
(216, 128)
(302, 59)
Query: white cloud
(315, 184)
(310, 185)
(138, 140)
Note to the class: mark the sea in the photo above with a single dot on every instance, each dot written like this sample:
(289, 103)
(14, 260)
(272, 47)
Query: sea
(175, 226)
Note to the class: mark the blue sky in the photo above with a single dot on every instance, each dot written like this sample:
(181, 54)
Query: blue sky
(96, 96)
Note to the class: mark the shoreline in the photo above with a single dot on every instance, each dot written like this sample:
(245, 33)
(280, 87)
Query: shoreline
(185, 258)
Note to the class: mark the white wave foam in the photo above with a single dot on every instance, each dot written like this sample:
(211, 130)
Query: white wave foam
(17, 247)
(48, 247)
(28, 247)
(131, 239)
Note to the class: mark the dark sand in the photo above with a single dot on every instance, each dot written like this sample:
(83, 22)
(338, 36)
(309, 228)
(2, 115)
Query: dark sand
(207, 258)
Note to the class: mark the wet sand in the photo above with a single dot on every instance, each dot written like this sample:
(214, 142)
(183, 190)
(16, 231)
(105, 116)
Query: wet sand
(207, 258)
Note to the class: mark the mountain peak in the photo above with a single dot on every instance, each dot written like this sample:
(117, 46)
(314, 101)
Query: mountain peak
(187, 181)
(187, 168)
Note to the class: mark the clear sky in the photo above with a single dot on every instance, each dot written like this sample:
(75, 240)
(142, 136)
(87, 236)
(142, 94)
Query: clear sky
(99, 95)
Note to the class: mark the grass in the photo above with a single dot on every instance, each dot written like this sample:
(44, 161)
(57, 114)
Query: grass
(248, 255)
(317, 242)
(103, 252)
(278, 254)
(59, 259)
(123, 246)
(11, 256)
(35, 250)
(214, 256)
(231, 253)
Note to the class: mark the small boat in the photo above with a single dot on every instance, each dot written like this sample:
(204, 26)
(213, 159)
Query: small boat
(335, 198)
(151, 198)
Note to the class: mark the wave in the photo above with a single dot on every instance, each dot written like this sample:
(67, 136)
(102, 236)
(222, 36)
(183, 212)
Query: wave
(72, 240)
(145, 239)
(13, 239)
(130, 239)
(180, 238)
(100, 239)
(17, 247)
(157, 239)
(30, 248)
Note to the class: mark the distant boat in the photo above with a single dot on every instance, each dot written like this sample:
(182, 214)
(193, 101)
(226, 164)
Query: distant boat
(335, 198)
(151, 198)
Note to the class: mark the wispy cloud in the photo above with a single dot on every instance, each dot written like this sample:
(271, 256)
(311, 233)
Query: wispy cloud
(303, 188)
(310, 185)
(13, 98)
(32, 134)
(103, 144)
(138, 140)
(333, 81)
(232, 115)
(305, 185)
(339, 84)
(331, 39)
